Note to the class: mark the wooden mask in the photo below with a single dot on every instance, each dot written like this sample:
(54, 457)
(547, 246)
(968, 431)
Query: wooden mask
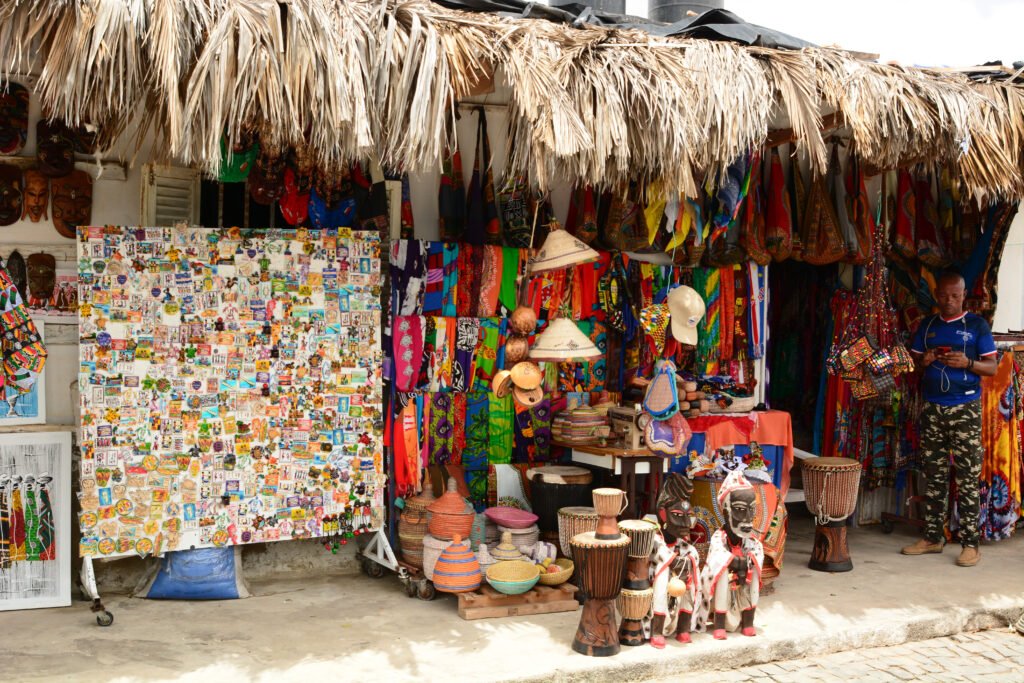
(72, 202)
(13, 119)
(266, 181)
(10, 194)
(37, 195)
(42, 278)
(55, 148)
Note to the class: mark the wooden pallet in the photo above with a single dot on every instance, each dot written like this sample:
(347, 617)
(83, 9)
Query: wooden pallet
(487, 603)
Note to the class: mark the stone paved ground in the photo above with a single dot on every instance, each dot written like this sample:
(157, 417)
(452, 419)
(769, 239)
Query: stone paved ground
(996, 655)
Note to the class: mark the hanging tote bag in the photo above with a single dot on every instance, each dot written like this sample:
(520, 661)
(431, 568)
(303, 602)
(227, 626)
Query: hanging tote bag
(841, 201)
(662, 397)
(930, 250)
(822, 241)
(860, 212)
(482, 224)
(451, 198)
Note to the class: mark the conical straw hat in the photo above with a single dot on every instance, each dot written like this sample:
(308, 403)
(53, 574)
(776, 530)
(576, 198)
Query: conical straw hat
(561, 341)
(561, 250)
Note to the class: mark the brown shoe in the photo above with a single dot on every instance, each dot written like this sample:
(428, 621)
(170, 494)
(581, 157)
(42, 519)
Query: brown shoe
(969, 556)
(923, 547)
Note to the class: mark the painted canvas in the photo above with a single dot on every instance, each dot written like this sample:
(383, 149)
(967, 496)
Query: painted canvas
(28, 408)
(35, 498)
(230, 387)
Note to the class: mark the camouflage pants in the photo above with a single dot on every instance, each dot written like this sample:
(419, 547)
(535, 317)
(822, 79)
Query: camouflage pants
(951, 431)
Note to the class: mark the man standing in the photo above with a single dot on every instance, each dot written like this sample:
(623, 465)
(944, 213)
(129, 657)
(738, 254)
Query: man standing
(955, 349)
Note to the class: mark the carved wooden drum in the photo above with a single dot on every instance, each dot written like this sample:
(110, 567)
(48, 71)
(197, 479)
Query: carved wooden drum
(573, 520)
(600, 567)
(633, 607)
(830, 490)
(641, 536)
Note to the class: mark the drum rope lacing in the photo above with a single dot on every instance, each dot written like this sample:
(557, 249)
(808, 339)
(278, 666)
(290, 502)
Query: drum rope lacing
(820, 517)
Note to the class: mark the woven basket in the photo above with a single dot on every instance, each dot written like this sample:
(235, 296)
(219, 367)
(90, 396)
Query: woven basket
(523, 537)
(513, 571)
(483, 556)
(478, 535)
(457, 570)
(413, 558)
(557, 579)
(432, 549)
(451, 515)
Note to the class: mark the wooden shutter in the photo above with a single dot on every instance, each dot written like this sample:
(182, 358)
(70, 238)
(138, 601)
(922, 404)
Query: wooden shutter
(170, 195)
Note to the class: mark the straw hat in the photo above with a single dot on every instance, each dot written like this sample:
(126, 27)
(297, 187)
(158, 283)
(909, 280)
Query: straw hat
(527, 397)
(501, 385)
(687, 309)
(527, 376)
(561, 341)
(561, 250)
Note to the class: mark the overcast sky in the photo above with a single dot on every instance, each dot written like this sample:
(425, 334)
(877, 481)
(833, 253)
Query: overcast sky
(921, 32)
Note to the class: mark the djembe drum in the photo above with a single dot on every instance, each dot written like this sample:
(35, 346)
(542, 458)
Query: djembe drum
(633, 607)
(600, 566)
(609, 504)
(641, 536)
(830, 490)
(574, 520)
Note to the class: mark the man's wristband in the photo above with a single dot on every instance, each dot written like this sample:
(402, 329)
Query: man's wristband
(970, 364)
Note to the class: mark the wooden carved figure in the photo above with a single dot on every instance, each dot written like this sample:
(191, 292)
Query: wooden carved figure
(674, 565)
(732, 575)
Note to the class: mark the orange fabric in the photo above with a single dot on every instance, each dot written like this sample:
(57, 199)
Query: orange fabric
(771, 428)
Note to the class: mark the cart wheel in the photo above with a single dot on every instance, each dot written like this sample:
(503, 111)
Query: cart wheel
(426, 591)
(374, 570)
(410, 589)
(887, 526)
(104, 618)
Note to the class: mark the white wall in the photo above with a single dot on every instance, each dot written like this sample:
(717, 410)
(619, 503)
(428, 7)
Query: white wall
(1010, 308)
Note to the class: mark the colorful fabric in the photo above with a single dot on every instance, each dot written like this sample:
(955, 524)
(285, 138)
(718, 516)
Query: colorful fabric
(408, 276)
(500, 418)
(508, 293)
(21, 346)
(515, 212)
(434, 294)
(778, 218)
(490, 281)
(757, 282)
(5, 529)
(474, 455)
(468, 273)
(1001, 469)
(408, 226)
(408, 351)
(904, 242)
(485, 355)
(482, 224)
(727, 295)
(441, 429)
(467, 332)
(17, 526)
(450, 283)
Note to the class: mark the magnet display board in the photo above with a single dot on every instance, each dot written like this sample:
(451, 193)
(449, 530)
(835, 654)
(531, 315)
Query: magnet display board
(230, 387)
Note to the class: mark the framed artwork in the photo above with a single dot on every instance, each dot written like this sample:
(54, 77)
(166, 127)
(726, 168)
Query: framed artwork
(230, 387)
(62, 306)
(28, 408)
(35, 514)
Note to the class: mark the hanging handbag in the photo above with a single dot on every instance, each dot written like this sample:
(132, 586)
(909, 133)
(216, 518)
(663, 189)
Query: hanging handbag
(822, 241)
(930, 250)
(451, 198)
(662, 397)
(860, 209)
(482, 224)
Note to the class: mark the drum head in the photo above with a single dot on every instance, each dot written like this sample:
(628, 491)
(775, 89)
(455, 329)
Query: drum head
(578, 511)
(560, 474)
(830, 464)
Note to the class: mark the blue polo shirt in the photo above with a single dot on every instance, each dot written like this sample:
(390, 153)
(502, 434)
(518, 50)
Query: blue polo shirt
(968, 334)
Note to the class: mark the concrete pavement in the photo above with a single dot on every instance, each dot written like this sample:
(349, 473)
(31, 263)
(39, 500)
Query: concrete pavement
(996, 655)
(357, 628)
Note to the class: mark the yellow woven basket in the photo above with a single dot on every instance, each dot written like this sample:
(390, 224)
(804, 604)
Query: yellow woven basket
(513, 571)
(559, 577)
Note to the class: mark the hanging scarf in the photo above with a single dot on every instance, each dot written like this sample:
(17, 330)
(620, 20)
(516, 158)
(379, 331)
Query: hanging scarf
(408, 229)
(441, 429)
(486, 354)
(474, 455)
(434, 296)
(757, 280)
(408, 351)
(508, 294)
(500, 417)
(429, 341)
(727, 295)
(408, 276)
(1001, 466)
(904, 242)
(706, 282)
(467, 334)
(468, 285)
(450, 287)
(490, 280)
(515, 211)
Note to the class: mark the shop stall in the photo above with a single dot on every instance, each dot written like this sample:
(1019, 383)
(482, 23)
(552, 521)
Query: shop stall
(578, 366)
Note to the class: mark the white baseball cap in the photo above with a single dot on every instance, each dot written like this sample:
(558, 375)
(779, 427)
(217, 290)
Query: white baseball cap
(687, 308)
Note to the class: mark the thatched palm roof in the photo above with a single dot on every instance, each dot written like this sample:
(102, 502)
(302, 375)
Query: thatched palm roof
(359, 78)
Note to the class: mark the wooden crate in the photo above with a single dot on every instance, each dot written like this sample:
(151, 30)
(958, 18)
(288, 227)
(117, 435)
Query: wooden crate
(487, 603)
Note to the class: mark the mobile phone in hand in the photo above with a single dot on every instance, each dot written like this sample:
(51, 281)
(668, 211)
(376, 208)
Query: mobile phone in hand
(943, 350)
